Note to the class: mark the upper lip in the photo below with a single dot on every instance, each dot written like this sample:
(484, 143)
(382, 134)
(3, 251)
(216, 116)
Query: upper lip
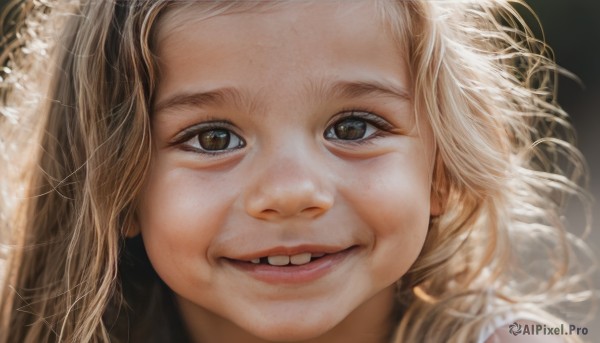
(290, 251)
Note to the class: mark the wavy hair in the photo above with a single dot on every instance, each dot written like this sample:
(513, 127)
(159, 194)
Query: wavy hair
(78, 79)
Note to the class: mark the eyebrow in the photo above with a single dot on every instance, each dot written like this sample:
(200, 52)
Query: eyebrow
(213, 97)
(340, 89)
(357, 89)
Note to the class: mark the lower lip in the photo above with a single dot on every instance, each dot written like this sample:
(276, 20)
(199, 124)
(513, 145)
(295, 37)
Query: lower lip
(292, 274)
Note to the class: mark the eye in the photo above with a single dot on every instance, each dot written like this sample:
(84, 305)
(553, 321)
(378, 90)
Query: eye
(355, 126)
(214, 140)
(210, 139)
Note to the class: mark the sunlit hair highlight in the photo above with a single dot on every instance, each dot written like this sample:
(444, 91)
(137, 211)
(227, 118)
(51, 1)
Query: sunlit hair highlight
(76, 96)
(505, 164)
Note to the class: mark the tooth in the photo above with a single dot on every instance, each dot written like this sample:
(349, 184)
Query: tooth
(255, 261)
(303, 258)
(278, 260)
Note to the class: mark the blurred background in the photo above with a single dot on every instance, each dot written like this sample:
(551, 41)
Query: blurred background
(572, 29)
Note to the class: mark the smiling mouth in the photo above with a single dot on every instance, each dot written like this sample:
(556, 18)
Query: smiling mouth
(299, 267)
(287, 260)
(297, 259)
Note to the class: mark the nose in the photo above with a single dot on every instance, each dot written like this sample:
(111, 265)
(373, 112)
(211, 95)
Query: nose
(289, 187)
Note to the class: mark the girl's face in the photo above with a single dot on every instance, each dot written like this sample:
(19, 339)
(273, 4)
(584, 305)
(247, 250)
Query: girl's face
(290, 187)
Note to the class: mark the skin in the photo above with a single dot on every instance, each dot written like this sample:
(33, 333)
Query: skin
(289, 182)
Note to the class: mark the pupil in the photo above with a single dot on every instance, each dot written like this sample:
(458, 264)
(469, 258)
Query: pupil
(214, 140)
(351, 129)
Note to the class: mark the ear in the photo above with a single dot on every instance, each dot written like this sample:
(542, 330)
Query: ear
(435, 204)
(439, 188)
(133, 229)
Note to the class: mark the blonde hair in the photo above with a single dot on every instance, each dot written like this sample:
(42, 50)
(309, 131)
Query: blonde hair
(76, 149)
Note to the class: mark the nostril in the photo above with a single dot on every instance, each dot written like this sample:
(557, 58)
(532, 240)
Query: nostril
(313, 211)
(269, 212)
(292, 200)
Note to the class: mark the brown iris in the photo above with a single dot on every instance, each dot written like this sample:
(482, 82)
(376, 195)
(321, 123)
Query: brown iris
(214, 140)
(350, 129)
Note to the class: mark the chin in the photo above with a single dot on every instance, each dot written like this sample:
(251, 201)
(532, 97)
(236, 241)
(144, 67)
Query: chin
(295, 329)
(288, 334)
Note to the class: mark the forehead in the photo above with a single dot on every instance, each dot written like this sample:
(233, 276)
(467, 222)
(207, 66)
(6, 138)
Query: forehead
(174, 18)
(255, 42)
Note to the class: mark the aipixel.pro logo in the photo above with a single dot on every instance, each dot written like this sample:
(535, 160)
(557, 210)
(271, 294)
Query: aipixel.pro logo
(542, 329)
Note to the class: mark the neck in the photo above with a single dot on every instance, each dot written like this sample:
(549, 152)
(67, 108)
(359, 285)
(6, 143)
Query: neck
(371, 322)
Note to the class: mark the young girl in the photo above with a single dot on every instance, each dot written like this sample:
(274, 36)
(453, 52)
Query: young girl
(253, 171)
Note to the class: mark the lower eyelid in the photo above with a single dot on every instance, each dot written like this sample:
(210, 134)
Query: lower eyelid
(188, 148)
(363, 141)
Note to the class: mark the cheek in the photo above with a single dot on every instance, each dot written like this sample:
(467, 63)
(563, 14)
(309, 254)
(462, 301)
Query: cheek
(392, 194)
(179, 215)
(392, 197)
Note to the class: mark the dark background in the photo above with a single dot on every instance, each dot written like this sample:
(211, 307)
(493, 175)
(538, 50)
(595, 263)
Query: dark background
(572, 29)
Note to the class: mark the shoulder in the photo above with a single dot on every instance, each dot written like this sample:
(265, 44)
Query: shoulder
(504, 335)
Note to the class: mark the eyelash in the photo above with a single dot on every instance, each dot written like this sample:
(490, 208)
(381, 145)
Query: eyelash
(369, 116)
(194, 131)
(381, 126)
